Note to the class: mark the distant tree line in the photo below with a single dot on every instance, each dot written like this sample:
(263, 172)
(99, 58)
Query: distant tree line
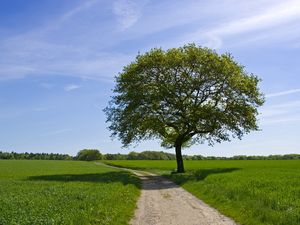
(94, 154)
(145, 155)
(40, 156)
(155, 155)
(244, 157)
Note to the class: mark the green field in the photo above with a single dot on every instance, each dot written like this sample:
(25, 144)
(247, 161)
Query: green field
(65, 192)
(251, 192)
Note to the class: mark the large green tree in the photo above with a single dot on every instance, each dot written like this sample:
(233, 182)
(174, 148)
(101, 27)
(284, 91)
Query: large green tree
(183, 96)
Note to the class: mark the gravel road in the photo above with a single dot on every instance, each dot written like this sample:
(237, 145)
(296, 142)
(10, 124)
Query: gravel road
(164, 203)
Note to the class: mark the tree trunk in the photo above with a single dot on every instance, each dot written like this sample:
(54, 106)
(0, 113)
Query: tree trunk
(180, 167)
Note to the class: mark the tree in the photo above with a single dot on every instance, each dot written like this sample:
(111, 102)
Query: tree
(89, 155)
(183, 96)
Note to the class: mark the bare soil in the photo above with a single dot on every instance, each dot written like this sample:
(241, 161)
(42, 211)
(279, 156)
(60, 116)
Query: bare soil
(164, 203)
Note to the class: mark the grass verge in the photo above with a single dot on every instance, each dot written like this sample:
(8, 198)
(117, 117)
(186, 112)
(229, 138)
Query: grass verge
(251, 192)
(65, 192)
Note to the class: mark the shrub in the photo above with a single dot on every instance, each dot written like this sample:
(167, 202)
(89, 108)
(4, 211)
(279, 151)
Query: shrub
(89, 155)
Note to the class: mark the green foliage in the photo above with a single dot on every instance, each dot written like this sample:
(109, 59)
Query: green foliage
(159, 155)
(89, 155)
(150, 155)
(117, 156)
(145, 155)
(251, 192)
(244, 157)
(182, 96)
(26, 155)
(65, 192)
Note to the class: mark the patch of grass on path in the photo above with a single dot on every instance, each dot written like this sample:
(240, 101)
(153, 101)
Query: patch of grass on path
(251, 192)
(65, 192)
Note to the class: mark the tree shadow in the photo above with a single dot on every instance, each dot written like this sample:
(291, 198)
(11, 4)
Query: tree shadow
(123, 177)
(197, 175)
(156, 182)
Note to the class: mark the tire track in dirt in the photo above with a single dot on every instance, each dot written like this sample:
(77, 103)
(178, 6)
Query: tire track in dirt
(162, 202)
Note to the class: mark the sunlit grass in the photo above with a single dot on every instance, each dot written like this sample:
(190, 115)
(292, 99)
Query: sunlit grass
(65, 192)
(251, 192)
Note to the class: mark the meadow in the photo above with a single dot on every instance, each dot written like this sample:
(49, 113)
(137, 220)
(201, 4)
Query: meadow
(250, 192)
(65, 192)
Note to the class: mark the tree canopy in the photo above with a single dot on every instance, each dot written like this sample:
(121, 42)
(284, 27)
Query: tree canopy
(184, 96)
(89, 155)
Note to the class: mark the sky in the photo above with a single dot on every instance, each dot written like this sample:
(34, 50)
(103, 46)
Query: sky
(59, 59)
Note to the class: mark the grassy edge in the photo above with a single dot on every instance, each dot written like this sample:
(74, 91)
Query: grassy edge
(103, 163)
(168, 174)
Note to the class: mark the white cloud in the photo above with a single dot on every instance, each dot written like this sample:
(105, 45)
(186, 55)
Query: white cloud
(87, 4)
(274, 16)
(282, 93)
(47, 51)
(23, 56)
(13, 113)
(98, 107)
(127, 12)
(280, 113)
(283, 120)
(56, 132)
(47, 85)
(71, 87)
(84, 6)
(41, 109)
(13, 71)
(271, 110)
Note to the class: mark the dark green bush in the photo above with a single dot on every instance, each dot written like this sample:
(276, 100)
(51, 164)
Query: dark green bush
(89, 155)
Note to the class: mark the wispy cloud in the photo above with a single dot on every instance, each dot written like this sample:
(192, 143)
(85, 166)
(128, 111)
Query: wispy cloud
(45, 51)
(98, 107)
(13, 113)
(27, 56)
(274, 15)
(90, 50)
(41, 109)
(47, 85)
(278, 109)
(84, 6)
(67, 16)
(282, 93)
(127, 13)
(71, 87)
(57, 132)
(280, 113)
(281, 120)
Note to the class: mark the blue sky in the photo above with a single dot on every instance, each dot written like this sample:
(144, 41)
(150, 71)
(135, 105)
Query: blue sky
(59, 58)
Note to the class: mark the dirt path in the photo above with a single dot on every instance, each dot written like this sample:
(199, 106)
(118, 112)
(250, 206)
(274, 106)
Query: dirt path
(164, 203)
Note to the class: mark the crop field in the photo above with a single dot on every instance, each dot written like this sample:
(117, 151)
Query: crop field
(65, 192)
(251, 192)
